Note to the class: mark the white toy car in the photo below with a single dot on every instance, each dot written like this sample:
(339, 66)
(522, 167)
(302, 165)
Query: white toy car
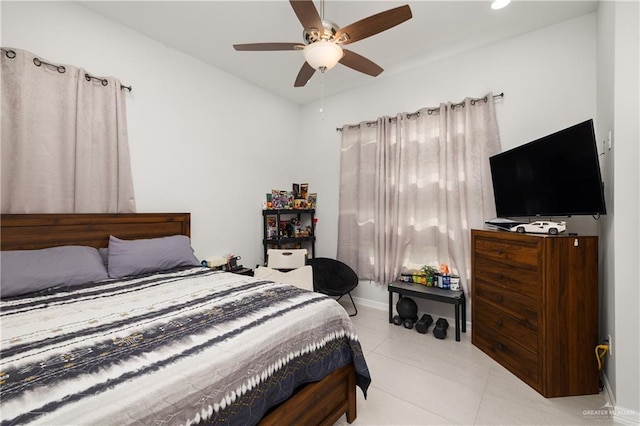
(541, 227)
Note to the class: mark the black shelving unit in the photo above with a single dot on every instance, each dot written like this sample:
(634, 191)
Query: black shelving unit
(278, 241)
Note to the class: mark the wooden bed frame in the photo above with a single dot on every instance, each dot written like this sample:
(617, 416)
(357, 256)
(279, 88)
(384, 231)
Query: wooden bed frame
(322, 402)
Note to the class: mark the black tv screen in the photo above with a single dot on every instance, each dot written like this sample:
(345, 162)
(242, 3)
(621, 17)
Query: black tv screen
(557, 175)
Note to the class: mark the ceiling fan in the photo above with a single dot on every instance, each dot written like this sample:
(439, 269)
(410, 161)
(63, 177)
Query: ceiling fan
(323, 40)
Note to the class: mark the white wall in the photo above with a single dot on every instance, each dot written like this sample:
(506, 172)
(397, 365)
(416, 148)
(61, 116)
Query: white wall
(605, 114)
(201, 140)
(549, 80)
(619, 112)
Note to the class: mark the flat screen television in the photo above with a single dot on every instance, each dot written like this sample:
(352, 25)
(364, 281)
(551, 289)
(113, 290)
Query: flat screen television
(557, 175)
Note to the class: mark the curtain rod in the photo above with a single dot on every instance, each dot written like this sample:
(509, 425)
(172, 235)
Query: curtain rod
(61, 69)
(417, 113)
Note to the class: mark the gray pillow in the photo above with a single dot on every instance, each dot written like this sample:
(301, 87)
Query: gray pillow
(134, 257)
(104, 253)
(27, 271)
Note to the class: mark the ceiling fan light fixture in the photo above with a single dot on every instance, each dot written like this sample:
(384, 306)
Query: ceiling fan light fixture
(322, 55)
(499, 4)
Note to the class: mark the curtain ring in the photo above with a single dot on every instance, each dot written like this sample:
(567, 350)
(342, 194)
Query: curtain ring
(37, 62)
(473, 101)
(87, 77)
(104, 81)
(10, 54)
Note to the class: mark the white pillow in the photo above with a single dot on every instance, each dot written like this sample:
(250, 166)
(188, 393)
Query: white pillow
(301, 277)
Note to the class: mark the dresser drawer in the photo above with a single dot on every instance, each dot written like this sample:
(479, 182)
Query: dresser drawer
(515, 358)
(515, 253)
(523, 332)
(518, 305)
(520, 280)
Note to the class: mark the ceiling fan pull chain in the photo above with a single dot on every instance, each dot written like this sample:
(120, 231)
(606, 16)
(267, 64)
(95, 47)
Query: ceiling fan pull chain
(321, 110)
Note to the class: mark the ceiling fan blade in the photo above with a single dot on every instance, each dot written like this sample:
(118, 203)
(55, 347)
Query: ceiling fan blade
(307, 14)
(268, 46)
(374, 24)
(360, 63)
(305, 74)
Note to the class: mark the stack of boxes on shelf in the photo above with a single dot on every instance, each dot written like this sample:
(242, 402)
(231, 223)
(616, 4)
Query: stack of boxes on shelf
(298, 198)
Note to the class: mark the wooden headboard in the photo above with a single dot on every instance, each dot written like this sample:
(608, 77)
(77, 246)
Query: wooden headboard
(35, 231)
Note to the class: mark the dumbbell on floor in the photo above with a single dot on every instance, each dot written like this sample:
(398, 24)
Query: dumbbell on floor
(440, 331)
(423, 324)
(408, 322)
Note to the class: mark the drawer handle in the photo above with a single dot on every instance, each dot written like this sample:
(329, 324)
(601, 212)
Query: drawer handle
(500, 299)
(499, 323)
(500, 251)
(500, 275)
(500, 346)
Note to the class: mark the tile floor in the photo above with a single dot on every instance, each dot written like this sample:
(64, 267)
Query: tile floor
(419, 380)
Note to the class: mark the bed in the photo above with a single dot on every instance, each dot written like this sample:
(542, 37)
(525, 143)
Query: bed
(183, 346)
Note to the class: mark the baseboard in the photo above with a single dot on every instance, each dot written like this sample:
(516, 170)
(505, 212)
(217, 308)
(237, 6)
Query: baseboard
(619, 415)
(608, 392)
(382, 306)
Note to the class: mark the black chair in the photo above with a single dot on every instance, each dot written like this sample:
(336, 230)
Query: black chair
(333, 278)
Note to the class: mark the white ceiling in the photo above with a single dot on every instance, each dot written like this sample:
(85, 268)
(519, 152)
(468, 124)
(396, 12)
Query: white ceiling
(208, 29)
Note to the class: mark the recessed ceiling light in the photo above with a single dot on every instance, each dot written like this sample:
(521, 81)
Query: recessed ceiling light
(499, 4)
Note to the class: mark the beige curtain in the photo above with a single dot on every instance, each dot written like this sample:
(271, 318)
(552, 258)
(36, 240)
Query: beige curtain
(413, 186)
(64, 139)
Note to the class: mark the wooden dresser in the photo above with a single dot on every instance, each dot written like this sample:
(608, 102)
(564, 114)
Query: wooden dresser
(535, 308)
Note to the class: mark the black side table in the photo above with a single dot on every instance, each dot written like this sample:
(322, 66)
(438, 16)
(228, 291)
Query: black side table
(454, 297)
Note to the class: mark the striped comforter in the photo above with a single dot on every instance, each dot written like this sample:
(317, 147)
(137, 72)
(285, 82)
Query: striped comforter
(172, 348)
